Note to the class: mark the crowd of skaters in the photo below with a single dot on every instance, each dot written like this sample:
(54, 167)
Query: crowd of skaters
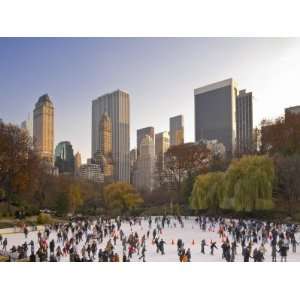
(252, 236)
(89, 239)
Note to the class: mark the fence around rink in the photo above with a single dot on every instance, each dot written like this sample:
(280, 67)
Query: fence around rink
(18, 229)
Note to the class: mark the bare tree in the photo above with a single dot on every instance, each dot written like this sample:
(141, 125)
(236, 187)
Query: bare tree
(182, 161)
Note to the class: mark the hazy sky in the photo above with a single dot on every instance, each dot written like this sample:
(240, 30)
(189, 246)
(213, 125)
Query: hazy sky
(160, 75)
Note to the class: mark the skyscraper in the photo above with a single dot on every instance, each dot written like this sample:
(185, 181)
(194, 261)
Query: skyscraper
(244, 122)
(140, 134)
(215, 113)
(162, 144)
(43, 127)
(116, 105)
(144, 177)
(176, 130)
(64, 158)
(77, 164)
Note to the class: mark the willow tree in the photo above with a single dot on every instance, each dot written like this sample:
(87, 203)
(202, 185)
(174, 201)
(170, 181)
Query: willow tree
(248, 184)
(208, 191)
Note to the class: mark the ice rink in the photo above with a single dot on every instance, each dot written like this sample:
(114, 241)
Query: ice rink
(191, 234)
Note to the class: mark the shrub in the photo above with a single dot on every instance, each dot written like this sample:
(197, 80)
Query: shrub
(44, 219)
(31, 211)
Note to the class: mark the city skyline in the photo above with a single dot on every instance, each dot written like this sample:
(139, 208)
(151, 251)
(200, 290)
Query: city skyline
(32, 67)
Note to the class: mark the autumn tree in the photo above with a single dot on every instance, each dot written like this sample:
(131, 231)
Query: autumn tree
(183, 162)
(287, 169)
(27, 184)
(62, 204)
(72, 194)
(121, 197)
(20, 166)
(282, 135)
(75, 198)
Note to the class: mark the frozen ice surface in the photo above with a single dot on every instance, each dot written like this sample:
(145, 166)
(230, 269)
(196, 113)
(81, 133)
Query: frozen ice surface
(191, 232)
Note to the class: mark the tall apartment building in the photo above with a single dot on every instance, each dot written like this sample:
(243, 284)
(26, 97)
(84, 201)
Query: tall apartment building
(244, 123)
(144, 176)
(176, 130)
(225, 114)
(117, 107)
(140, 134)
(43, 127)
(215, 113)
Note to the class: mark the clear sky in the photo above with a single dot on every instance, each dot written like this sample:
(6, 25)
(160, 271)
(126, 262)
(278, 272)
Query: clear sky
(160, 75)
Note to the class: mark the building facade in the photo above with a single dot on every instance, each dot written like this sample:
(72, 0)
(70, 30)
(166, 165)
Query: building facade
(162, 144)
(215, 113)
(133, 157)
(216, 149)
(105, 157)
(105, 135)
(91, 172)
(77, 164)
(144, 175)
(244, 123)
(64, 158)
(256, 139)
(176, 130)
(43, 127)
(133, 160)
(140, 134)
(28, 125)
(117, 107)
